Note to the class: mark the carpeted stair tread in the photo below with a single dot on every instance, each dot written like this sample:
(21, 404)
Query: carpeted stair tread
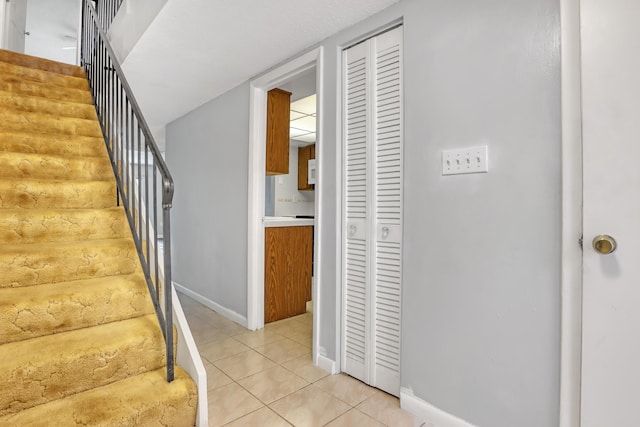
(42, 76)
(64, 145)
(41, 263)
(9, 83)
(61, 225)
(53, 166)
(143, 400)
(40, 63)
(76, 361)
(80, 342)
(49, 124)
(31, 312)
(33, 193)
(22, 102)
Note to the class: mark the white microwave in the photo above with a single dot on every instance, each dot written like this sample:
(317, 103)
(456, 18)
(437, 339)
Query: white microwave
(311, 171)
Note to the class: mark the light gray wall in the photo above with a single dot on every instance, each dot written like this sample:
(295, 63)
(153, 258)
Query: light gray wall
(481, 273)
(207, 154)
(302, 86)
(481, 296)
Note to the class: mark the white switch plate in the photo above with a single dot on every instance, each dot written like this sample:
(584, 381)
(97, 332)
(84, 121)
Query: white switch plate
(465, 160)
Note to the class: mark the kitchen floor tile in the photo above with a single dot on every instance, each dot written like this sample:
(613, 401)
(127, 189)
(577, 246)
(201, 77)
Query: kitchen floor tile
(261, 417)
(354, 418)
(258, 338)
(303, 367)
(346, 388)
(244, 364)
(221, 348)
(230, 402)
(309, 407)
(386, 409)
(283, 350)
(273, 384)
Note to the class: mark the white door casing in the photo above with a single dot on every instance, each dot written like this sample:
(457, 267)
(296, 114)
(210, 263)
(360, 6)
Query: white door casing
(15, 23)
(372, 200)
(610, 51)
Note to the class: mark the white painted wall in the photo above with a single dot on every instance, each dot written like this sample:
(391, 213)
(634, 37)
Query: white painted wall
(15, 18)
(288, 200)
(132, 20)
(53, 29)
(481, 291)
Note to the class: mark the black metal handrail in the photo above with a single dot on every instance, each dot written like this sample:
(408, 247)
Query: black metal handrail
(128, 139)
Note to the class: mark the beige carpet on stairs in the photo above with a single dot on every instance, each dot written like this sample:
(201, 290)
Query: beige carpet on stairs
(79, 340)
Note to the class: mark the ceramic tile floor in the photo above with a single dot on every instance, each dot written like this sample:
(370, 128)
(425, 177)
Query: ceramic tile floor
(266, 378)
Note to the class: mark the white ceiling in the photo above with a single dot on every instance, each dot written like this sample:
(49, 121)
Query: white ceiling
(196, 50)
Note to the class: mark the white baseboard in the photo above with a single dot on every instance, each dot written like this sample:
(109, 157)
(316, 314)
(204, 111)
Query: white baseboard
(327, 364)
(229, 314)
(433, 416)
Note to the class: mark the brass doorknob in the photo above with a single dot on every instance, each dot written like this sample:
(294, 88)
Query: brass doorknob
(604, 244)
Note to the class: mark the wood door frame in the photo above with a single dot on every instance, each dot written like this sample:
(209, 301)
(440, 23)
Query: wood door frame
(571, 292)
(257, 163)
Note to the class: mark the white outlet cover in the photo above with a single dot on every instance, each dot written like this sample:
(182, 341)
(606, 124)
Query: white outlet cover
(465, 160)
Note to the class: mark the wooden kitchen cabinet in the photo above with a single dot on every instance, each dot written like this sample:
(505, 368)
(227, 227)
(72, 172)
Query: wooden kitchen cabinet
(278, 119)
(287, 271)
(304, 155)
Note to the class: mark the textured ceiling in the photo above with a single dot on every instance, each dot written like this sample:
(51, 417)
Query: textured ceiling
(196, 50)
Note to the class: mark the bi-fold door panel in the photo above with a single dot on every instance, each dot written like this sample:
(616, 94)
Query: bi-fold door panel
(373, 210)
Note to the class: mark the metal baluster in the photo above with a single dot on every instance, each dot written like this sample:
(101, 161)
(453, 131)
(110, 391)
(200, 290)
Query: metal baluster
(155, 226)
(146, 196)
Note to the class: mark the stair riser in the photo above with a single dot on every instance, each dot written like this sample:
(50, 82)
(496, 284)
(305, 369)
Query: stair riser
(40, 63)
(44, 77)
(27, 313)
(52, 144)
(36, 166)
(46, 226)
(19, 102)
(83, 360)
(57, 194)
(13, 84)
(144, 400)
(23, 265)
(44, 123)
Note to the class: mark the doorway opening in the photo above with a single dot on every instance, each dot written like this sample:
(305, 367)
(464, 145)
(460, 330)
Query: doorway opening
(287, 75)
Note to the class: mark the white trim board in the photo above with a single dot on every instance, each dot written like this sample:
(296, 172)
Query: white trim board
(189, 359)
(432, 415)
(229, 314)
(571, 287)
(327, 364)
(257, 135)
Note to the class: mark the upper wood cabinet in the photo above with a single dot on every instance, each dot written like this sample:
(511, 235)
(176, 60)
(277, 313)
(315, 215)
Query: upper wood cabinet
(304, 155)
(278, 112)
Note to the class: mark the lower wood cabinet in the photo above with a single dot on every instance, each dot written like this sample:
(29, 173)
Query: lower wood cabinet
(287, 271)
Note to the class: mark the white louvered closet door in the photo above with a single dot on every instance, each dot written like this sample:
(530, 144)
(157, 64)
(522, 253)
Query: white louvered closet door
(373, 210)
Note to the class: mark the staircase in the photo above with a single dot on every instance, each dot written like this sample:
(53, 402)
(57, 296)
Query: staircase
(80, 343)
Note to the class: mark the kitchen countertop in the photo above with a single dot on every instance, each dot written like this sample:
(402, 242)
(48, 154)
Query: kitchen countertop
(286, 221)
